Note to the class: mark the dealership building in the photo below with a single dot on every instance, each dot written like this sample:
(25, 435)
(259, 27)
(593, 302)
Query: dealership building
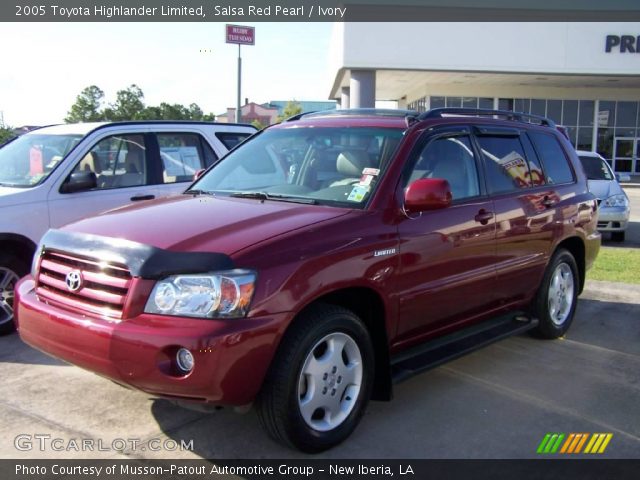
(584, 76)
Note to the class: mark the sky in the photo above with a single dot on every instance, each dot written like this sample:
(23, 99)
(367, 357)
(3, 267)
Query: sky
(44, 66)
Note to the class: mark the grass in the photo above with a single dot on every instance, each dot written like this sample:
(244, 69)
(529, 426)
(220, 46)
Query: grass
(616, 265)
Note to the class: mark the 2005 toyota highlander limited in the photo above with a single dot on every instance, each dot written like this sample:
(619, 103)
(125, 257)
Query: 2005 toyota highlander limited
(323, 260)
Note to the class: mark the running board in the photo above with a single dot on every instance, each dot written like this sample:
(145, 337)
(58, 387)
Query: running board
(443, 349)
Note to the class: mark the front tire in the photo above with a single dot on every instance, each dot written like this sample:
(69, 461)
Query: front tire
(320, 381)
(11, 270)
(557, 297)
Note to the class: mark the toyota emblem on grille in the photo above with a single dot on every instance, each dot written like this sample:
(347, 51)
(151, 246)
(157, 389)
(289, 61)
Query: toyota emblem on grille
(74, 280)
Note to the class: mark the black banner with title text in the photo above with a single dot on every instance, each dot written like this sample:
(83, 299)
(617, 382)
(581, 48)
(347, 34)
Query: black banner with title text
(317, 11)
(583, 469)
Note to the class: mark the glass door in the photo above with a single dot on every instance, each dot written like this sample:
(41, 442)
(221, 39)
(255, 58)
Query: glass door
(625, 153)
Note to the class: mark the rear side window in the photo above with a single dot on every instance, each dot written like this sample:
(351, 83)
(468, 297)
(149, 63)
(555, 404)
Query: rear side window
(182, 155)
(231, 139)
(506, 165)
(554, 161)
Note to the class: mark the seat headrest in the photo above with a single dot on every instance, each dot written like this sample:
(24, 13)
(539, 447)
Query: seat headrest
(351, 162)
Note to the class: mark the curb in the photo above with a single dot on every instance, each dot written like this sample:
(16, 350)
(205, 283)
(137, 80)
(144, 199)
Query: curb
(612, 291)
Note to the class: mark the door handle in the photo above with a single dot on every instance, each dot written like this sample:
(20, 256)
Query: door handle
(483, 216)
(139, 198)
(548, 202)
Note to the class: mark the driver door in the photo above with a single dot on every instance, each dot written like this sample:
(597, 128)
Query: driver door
(447, 256)
(121, 165)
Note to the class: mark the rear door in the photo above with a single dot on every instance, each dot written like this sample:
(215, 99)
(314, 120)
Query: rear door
(447, 256)
(525, 207)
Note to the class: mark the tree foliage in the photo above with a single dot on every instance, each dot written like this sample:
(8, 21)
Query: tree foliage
(6, 134)
(129, 105)
(291, 108)
(258, 124)
(87, 106)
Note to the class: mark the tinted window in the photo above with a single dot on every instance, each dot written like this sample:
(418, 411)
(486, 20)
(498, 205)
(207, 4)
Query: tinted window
(553, 158)
(595, 168)
(231, 139)
(506, 164)
(535, 167)
(450, 158)
(117, 161)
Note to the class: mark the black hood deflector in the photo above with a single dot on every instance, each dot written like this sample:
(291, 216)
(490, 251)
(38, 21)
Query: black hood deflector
(142, 260)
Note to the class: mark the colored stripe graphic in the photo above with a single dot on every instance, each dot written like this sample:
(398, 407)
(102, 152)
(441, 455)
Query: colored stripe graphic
(574, 443)
(598, 443)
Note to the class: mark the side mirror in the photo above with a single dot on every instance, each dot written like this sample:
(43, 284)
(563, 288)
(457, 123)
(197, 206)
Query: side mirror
(79, 181)
(427, 194)
(198, 174)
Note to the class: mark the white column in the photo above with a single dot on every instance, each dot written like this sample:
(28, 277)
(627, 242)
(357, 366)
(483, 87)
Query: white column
(363, 88)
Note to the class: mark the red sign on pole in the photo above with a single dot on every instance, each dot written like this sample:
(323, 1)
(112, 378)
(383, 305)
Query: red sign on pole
(241, 35)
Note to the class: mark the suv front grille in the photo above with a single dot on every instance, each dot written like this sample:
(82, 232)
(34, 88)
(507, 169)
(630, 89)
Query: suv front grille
(103, 288)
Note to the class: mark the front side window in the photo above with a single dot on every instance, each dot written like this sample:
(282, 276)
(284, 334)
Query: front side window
(329, 166)
(118, 161)
(450, 158)
(29, 159)
(506, 165)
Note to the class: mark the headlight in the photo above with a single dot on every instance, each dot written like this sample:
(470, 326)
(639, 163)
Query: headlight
(207, 295)
(619, 200)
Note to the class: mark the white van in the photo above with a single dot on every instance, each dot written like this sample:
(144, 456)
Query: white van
(58, 174)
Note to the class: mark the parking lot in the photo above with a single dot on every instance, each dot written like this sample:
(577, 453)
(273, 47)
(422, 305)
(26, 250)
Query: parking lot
(496, 403)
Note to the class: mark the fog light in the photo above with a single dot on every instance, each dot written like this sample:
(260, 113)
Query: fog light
(184, 359)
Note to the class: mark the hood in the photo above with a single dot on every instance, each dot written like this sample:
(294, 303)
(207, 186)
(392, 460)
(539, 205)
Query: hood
(10, 196)
(603, 189)
(204, 223)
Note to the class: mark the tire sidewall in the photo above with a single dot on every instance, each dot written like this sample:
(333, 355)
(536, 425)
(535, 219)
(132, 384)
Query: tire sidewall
(547, 327)
(20, 268)
(314, 440)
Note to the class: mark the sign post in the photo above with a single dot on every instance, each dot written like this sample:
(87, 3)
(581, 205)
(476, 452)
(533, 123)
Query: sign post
(240, 35)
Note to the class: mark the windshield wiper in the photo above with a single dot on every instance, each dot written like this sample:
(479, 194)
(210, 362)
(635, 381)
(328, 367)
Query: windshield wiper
(268, 196)
(196, 192)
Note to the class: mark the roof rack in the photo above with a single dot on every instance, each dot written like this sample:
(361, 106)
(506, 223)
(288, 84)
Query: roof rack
(513, 116)
(376, 112)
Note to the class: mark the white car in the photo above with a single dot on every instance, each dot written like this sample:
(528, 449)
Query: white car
(613, 210)
(59, 174)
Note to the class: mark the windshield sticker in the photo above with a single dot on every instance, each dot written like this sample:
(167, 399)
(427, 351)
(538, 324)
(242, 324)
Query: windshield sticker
(358, 193)
(365, 180)
(371, 171)
(36, 165)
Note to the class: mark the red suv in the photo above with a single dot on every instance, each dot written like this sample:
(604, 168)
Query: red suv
(320, 262)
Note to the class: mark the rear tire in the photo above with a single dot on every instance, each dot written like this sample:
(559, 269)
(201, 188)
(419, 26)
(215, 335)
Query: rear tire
(11, 270)
(617, 236)
(557, 297)
(320, 380)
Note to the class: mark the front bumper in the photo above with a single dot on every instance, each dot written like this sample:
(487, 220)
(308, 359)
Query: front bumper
(613, 219)
(231, 356)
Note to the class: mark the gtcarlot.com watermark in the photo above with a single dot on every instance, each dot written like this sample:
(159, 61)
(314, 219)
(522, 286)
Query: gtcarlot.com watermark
(42, 442)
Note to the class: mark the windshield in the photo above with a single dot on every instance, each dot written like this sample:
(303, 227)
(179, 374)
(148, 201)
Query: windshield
(596, 168)
(29, 159)
(328, 166)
